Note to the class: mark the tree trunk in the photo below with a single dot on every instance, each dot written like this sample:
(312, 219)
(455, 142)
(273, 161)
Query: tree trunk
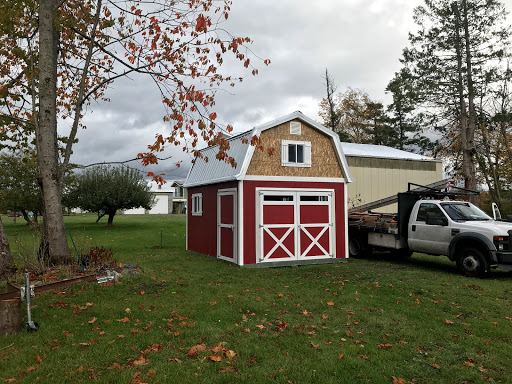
(111, 219)
(461, 102)
(469, 146)
(100, 216)
(46, 135)
(6, 260)
(11, 320)
(25, 216)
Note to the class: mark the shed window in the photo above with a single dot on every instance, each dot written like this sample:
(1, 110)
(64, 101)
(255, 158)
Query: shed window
(295, 128)
(197, 204)
(295, 153)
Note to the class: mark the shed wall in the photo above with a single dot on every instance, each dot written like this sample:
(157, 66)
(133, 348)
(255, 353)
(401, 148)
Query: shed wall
(249, 209)
(376, 178)
(324, 162)
(202, 230)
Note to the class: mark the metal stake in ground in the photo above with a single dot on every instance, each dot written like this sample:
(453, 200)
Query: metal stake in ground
(29, 292)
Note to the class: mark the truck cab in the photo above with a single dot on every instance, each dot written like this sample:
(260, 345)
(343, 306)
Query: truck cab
(461, 231)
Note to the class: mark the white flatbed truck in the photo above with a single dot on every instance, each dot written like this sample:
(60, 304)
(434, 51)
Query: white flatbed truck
(435, 222)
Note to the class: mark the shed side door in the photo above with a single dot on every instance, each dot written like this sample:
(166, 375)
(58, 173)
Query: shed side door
(226, 225)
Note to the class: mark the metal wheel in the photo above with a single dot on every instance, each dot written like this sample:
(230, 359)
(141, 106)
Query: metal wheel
(472, 263)
(358, 248)
(355, 248)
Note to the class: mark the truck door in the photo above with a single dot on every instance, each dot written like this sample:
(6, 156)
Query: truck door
(434, 237)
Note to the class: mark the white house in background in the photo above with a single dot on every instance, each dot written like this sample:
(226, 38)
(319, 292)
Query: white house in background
(163, 201)
(179, 197)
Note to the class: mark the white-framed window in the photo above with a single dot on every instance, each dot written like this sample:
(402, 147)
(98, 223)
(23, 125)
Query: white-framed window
(197, 204)
(295, 153)
(295, 127)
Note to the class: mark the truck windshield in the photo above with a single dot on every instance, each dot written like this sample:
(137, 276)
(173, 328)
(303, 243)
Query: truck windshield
(464, 212)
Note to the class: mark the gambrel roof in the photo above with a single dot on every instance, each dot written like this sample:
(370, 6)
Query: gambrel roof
(214, 171)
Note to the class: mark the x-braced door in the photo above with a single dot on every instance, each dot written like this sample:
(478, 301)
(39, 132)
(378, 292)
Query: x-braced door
(295, 225)
(316, 225)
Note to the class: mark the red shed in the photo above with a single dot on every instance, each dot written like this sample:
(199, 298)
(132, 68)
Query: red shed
(288, 208)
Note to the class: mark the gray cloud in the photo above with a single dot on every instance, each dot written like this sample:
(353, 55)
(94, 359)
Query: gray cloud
(359, 41)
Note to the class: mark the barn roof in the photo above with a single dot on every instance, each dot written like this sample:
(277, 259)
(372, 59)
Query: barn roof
(380, 151)
(214, 171)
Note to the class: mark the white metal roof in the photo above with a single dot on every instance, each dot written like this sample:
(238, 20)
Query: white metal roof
(215, 171)
(380, 151)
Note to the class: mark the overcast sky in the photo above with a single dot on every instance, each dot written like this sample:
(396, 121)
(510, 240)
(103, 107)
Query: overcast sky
(359, 41)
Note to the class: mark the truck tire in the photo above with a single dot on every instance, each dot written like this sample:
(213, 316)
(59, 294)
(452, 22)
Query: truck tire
(358, 248)
(472, 263)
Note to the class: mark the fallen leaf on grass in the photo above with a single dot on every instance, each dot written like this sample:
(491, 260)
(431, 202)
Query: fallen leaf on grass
(314, 345)
(92, 321)
(436, 366)
(38, 359)
(10, 380)
(140, 361)
(214, 303)
(260, 326)
(363, 357)
(127, 310)
(124, 320)
(115, 366)
(468, 364)
(402, 342)
(330, 303)
(448, 322)
(174, 360)
(397, 380)
(194, 351)
(341, 355)
(229, 354)
(142, 292)
(227, 369)
(215, 358)
(384, 346)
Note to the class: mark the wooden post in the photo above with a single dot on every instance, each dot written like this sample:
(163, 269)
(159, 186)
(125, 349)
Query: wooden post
(11, 320)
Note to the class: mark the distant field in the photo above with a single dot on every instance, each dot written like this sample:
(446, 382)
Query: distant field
(190, 318)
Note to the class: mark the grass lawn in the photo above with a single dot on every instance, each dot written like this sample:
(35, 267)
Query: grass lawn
(190, 318)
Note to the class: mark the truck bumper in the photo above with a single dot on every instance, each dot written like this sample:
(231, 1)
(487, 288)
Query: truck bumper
(504, 257)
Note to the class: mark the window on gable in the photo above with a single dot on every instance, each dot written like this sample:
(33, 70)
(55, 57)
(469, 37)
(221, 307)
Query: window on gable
(295, 153)
(197, 204)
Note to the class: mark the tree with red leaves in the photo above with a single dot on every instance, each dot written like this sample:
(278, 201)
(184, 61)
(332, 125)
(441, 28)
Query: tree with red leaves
(57, 57)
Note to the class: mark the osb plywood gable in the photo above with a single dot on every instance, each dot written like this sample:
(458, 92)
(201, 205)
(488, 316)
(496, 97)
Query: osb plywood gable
(324, 162)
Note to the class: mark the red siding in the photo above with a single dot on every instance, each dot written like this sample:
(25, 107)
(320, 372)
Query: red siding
(202, 230)
(249, 209)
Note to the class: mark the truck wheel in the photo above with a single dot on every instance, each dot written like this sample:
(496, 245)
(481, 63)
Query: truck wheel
(355, 247)
(358, 248)
(472, 263)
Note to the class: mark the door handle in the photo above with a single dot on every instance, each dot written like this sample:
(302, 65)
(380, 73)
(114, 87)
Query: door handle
(413, 228)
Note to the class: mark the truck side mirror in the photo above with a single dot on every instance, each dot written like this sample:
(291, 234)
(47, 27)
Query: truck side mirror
(433, 219)
(496, 212)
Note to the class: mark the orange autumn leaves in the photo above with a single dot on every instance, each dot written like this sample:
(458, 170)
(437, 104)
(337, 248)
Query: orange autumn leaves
(219, 352)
